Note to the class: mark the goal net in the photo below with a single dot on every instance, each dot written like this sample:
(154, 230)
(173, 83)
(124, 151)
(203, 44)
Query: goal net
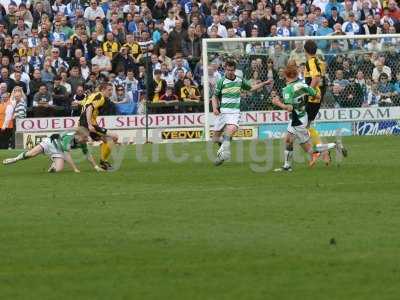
(362, 79)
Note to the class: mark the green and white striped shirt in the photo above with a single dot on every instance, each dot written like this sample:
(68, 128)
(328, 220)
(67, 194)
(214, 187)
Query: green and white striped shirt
(228, 91)
(295, 94)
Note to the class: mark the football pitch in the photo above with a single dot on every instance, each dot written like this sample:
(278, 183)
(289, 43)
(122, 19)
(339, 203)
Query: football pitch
(189, 230)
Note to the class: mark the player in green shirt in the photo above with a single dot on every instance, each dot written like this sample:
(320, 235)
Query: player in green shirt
(295, 96)
(226, 108)
(58, 148)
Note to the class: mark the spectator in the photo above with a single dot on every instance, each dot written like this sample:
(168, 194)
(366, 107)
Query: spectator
(370, 27)
(3, 89)
(124, 61)
(60, 94)
(280, 57)
(77, 98)
(334, 9)
(164, 59)
(20, 107)
(74, 79)
(189, 93)
(298, 54)
(24, 69)
(167, 75)
(334, 17)
(386, 90)
(56, 61)
(169, 22)
(311, 26)
(179, 65)
(192, 47)
(64, 82)
(324, 30)
(364, 86)
(48, 72)
(93, 12)
(121, 95)
(221, 29)
(92, 83)
(34, 85)
(374, 97)
(130, 83)
(5, 77)
(21, 30)
(155, 63)
(340, 80)
(176, 37)
(169, 96)
(17, 81)
(102, 61)
(84, 68)
(6, 122)
(393, 10)
(351, 26)
(380, 69)
(43, 103)
(110, 46)
(158, 87)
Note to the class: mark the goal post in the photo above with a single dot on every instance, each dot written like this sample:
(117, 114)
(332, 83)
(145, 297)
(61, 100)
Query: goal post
(354, 68)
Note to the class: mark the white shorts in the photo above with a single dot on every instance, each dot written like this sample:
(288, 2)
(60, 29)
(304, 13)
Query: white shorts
(226, 118)
(300, 132)
(50, 149)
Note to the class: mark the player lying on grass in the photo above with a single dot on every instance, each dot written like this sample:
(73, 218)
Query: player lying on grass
(58, 148)
(226, 108)
(295, 96)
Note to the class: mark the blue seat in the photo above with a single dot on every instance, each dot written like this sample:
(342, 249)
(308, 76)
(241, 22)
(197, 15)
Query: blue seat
(129, 108)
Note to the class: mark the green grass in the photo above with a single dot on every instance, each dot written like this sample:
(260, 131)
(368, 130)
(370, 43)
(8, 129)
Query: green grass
(193, 231)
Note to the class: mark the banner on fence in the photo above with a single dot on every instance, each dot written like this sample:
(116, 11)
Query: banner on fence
(197, 119)
(389, 127)
(325, 129)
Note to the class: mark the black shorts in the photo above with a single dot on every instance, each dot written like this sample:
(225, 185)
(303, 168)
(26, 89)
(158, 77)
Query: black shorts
(312, 110)
(100, 132)
(95, 136)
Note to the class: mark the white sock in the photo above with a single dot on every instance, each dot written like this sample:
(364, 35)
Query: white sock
(324, 147)
(288, 158)
(226, 143)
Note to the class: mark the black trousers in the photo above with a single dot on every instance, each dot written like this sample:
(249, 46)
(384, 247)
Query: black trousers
(6, 138)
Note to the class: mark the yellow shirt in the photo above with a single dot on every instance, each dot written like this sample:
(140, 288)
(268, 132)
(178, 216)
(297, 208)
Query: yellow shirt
(110, 48)
(96, 100)
(314, 68)
(156, 97)
(134, 49)
(186, 92)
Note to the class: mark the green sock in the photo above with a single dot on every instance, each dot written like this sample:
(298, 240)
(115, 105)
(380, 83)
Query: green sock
(22, 156)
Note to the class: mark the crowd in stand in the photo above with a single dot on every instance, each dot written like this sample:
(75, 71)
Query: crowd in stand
(58, 51)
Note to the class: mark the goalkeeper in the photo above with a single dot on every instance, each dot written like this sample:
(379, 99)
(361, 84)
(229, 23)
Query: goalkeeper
(58, 148)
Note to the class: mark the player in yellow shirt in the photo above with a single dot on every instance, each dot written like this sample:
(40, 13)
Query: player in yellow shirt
(90, 111)
(314, 75)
